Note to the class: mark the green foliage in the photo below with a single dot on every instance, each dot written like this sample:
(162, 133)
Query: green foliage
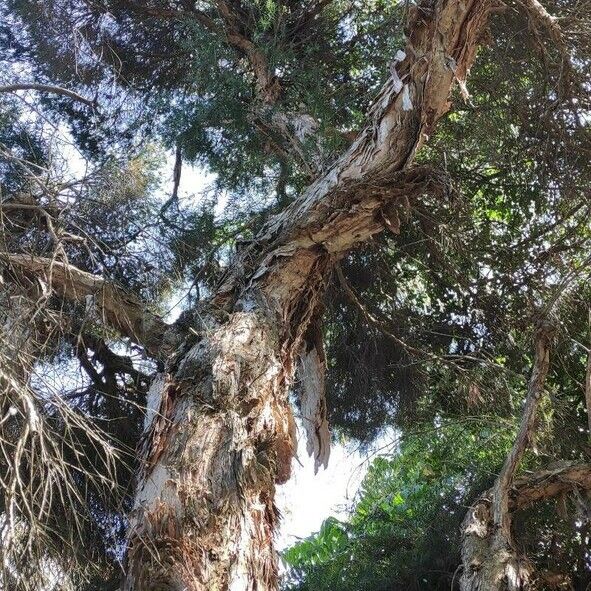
(404, 530)
(186, 84)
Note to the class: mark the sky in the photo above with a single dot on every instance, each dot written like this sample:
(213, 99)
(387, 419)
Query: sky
(307, 499)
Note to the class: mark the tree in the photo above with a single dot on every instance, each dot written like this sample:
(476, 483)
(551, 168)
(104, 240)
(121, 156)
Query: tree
(219, 432)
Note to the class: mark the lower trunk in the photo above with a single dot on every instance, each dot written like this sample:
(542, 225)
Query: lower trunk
(491, 561)
(219, 436)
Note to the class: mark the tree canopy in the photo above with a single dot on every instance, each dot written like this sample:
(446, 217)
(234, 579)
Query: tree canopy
(426, 327)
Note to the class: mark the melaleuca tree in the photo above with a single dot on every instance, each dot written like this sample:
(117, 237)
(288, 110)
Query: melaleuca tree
(321, 121)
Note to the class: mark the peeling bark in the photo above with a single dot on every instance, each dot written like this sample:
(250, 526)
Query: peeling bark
(222, 437)
(494, 562)
(121, 310)
(549, 483)
(489, 555)
(220, 433)
(313, 405)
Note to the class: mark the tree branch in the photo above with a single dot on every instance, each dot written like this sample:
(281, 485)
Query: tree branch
(110, 360)
(120, 309)
(549, 22)
(172, 13)
(549, 483)
(50, 89)
(540, 16)
(489, 554)
(342, 208)
(267, 118)
(501, 514)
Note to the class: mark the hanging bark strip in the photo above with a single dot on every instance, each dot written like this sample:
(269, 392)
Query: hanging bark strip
(489, 555)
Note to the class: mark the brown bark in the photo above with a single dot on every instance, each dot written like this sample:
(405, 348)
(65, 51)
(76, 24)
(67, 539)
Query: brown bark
(120, 309)
(220, 435)
(494, 563)
(549, 483)
(219, 432)
(490, 558)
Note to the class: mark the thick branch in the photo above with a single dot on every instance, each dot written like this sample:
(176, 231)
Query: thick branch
(541, 17)
(342, 208)
(535, 390)
(285, 131)
(120, 309)
(544, 18)
(489, 554)
(549, 483)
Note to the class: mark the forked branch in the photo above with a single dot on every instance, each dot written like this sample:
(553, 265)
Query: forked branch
(489, 554)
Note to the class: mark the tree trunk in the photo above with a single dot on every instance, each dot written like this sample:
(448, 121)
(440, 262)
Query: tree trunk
(489, 554)
(220, 435)
(219, 431)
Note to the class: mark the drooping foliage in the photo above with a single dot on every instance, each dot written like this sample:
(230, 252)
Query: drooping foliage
(71, 391)
(404, 529)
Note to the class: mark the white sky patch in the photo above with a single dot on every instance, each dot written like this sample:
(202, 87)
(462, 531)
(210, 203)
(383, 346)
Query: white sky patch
(194, 185)
(308, 499)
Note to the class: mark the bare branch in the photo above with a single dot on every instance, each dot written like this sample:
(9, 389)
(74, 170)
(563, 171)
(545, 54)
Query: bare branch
(42, 455)
(50, 89)
(549, 483)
